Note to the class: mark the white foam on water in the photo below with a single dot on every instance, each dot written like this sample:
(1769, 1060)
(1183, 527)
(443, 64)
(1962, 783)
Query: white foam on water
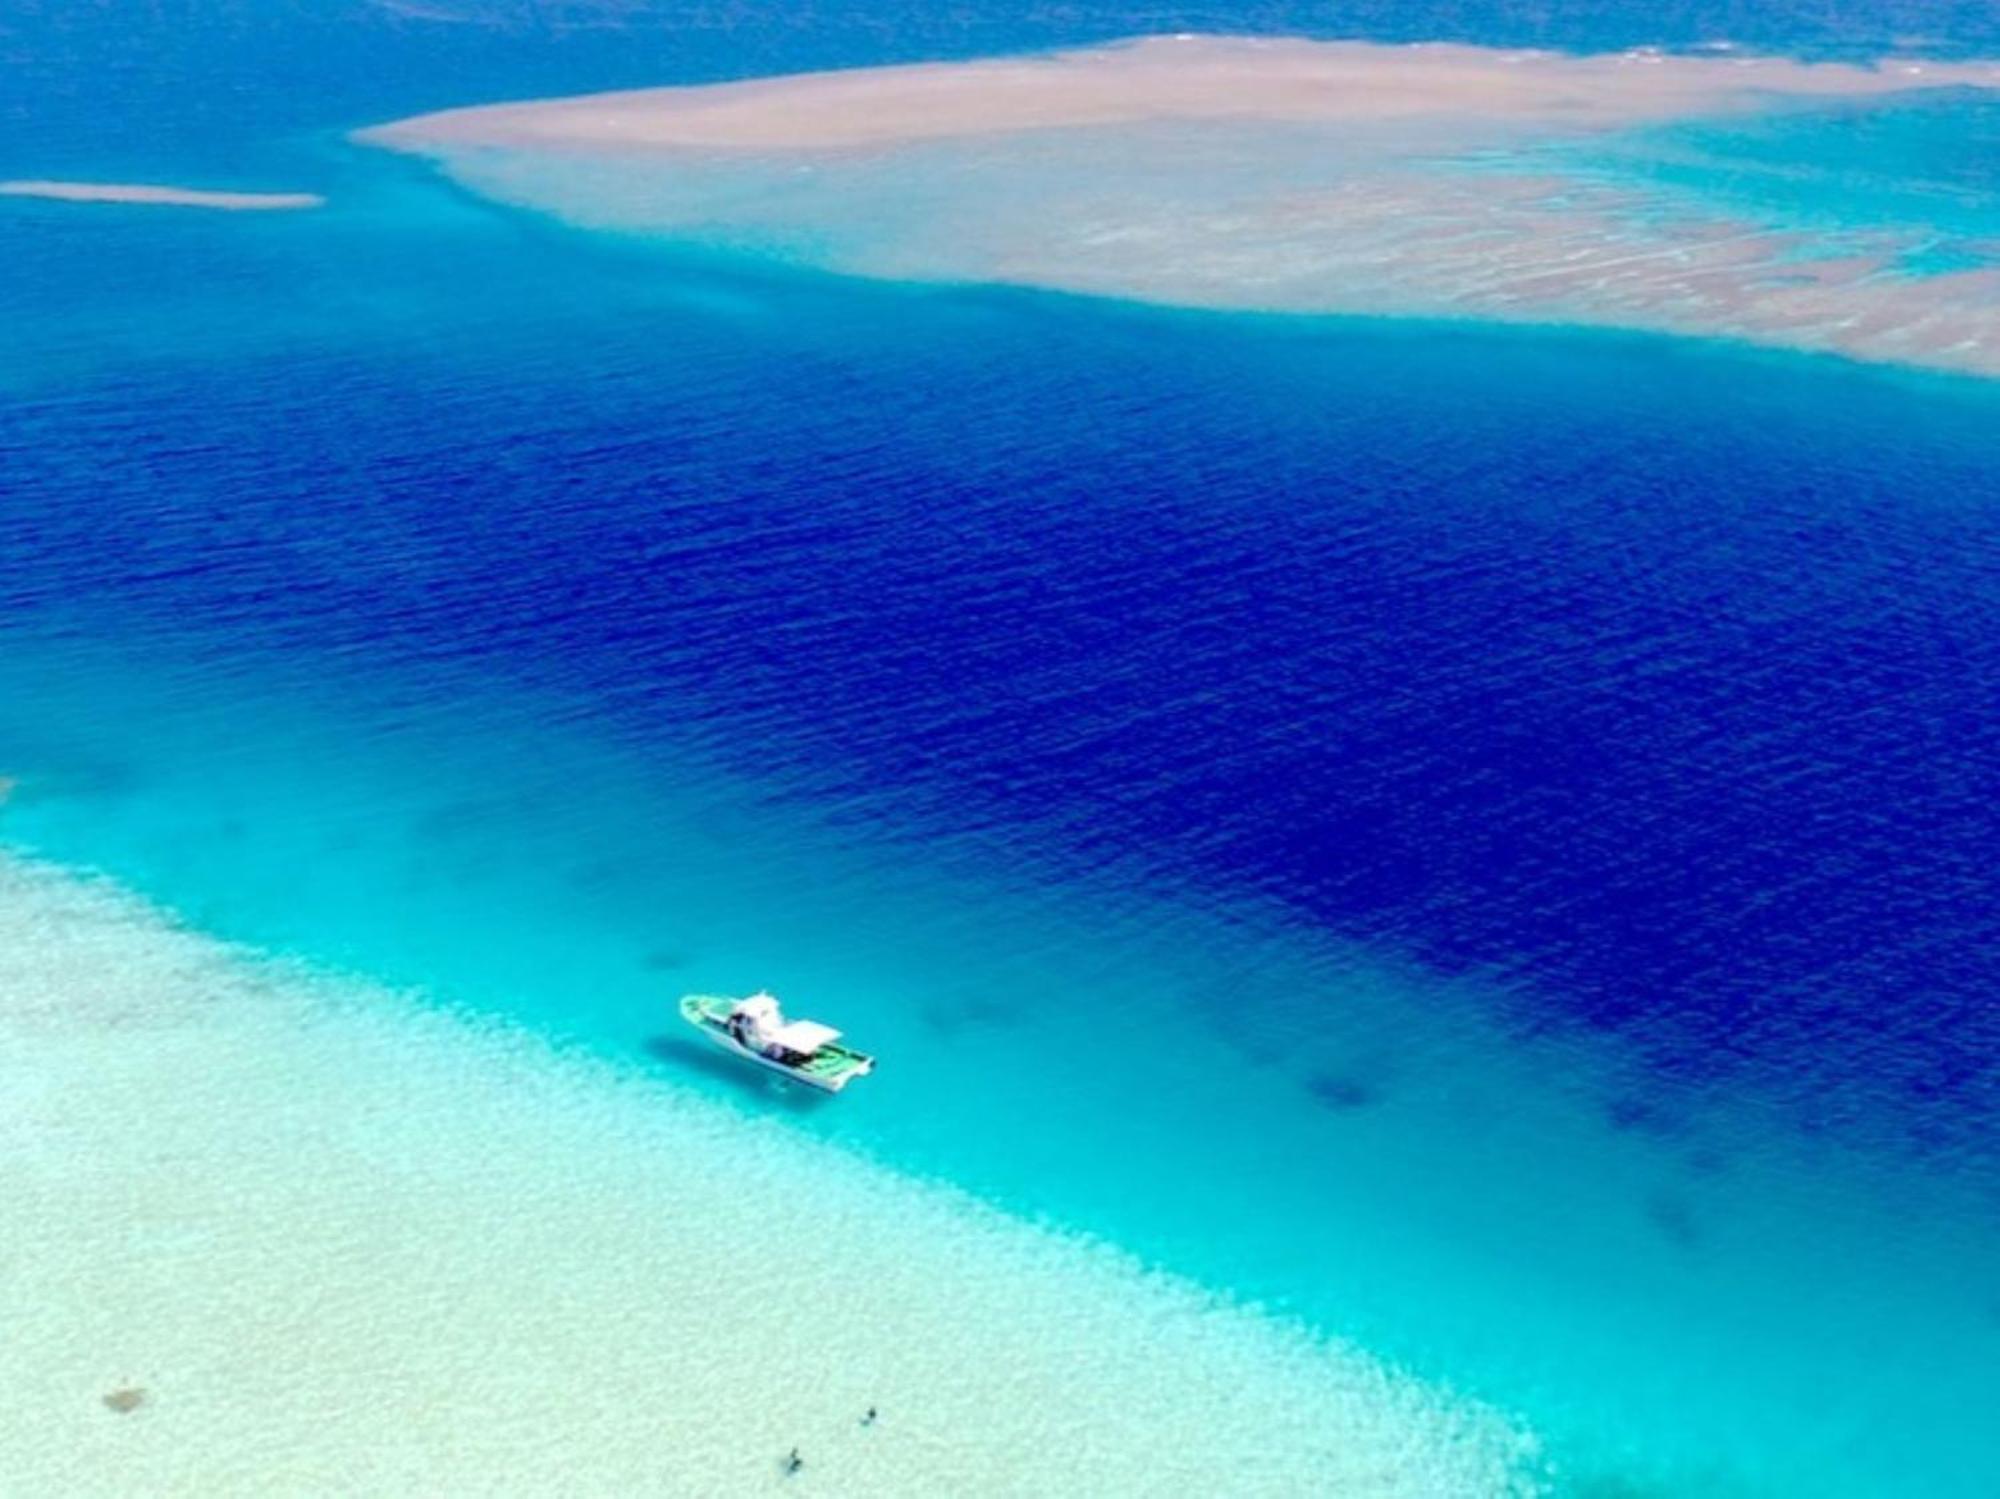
(346, 1241)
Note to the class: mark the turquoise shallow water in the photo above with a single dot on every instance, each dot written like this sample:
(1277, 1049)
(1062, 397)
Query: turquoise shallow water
(1922, 171)
(379, 1248)
(1476, 840)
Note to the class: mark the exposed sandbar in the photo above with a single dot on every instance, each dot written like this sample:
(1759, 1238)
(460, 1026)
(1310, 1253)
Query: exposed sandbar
(1282, 175)
(155, 193)
(1278, 80)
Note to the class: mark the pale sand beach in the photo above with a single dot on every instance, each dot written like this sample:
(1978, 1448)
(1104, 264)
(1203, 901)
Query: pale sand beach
(155, 193)
(273, 1232)
(1267, 175)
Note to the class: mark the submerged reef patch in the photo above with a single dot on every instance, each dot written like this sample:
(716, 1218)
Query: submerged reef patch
(1341, 1092)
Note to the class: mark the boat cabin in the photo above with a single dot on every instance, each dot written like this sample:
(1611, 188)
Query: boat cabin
(756, 1030)
(757, 1023)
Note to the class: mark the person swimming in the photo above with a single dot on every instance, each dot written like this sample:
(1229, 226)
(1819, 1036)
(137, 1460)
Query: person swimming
(793, 1462)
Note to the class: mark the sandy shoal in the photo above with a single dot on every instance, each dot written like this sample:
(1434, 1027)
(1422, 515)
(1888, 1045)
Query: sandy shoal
(1160, 78)
(270, 1233)
(154, 193)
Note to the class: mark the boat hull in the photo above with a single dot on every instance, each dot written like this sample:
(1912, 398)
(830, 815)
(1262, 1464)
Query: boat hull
(828, 1072)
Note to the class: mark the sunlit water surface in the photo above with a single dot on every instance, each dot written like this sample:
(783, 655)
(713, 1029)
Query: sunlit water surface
(1481, 841)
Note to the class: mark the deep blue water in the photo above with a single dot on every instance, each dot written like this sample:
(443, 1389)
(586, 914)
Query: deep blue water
(1668, 702)
(1556, 772)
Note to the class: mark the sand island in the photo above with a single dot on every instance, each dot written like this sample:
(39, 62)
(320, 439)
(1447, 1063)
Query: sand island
(1286, 175)
(156, 194)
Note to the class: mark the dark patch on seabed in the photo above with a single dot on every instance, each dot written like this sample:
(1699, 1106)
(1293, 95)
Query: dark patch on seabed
(1340, 1092)
(1674, 1217)
(947, 1014)
(1628, 1113)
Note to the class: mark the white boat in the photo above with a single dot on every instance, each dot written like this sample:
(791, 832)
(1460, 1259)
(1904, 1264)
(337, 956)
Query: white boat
(754, 1029)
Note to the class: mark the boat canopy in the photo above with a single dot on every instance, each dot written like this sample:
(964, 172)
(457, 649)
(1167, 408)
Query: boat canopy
(760, 1007)
(802, 1036)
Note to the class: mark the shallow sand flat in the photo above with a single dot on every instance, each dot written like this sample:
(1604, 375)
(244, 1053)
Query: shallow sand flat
(1287, 176)
(143, 192)
(268, 1233)
(1164, 78)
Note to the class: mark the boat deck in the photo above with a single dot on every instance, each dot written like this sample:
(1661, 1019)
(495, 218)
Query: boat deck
(831, 1066)
(831, 1062)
